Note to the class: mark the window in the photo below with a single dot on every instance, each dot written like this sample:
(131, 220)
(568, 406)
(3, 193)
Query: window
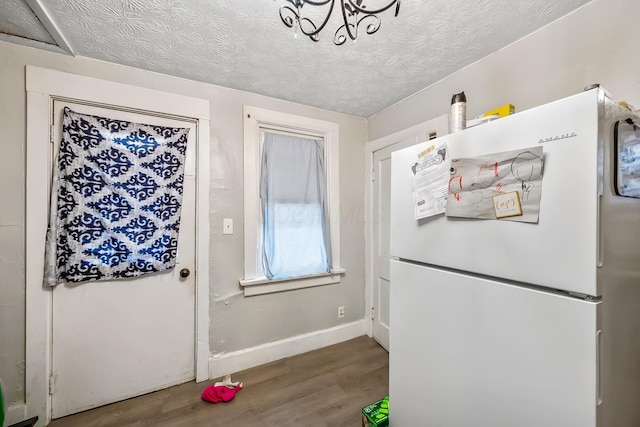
(291, 202)
(294, 215)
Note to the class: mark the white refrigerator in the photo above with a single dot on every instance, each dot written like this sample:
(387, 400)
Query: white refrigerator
(500, 323)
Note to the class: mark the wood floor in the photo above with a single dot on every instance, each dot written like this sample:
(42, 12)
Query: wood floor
(326, 387)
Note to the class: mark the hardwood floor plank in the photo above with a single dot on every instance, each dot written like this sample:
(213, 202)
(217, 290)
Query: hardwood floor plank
(303, 410)
(326, 387)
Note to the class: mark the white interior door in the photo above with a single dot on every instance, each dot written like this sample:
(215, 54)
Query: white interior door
(112, 340)
(381, 209)
(381, 241)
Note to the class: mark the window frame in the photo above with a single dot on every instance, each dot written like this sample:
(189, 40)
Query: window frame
(257, 120)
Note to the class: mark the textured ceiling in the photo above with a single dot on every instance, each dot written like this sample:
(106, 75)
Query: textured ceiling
(244, 45)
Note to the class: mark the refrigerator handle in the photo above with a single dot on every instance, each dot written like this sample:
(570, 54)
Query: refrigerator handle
(599, 367)
(599, 232)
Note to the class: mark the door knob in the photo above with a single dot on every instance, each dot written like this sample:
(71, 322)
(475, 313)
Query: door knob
(184, 273)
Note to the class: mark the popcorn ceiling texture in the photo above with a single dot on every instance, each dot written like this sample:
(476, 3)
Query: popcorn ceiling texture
(244, 45)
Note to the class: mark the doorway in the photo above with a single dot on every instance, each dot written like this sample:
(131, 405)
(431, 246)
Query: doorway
(81, 329)
(378, 257)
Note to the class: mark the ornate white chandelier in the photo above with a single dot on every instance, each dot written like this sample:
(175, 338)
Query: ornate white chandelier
(354, 14)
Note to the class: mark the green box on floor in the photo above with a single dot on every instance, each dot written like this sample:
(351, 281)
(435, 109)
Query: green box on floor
(376, 414)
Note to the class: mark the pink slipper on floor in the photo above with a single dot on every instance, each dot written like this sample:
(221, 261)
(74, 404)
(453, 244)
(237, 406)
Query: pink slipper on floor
(219, 393)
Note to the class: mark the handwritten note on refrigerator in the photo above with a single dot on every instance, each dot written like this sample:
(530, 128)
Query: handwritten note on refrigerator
(483, 187)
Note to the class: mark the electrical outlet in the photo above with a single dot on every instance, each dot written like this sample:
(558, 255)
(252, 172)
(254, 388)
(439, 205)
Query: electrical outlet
(341, 311)
(227, 226)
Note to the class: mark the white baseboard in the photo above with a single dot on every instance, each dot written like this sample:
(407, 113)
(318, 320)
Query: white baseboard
(229, 363)
(15, 414)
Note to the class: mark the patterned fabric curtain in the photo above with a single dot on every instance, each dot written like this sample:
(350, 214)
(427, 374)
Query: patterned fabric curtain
(116, 199)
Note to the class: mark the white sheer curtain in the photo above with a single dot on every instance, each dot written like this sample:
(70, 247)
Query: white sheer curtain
(295, 238)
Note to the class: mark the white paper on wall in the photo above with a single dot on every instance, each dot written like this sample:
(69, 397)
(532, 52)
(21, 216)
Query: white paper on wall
(474, 182)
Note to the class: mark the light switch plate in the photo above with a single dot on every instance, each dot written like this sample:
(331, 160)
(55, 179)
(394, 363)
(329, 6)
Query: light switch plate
(227, 226)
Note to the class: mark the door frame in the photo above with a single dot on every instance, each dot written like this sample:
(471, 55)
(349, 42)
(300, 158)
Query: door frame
(421, 131)
(43, 86)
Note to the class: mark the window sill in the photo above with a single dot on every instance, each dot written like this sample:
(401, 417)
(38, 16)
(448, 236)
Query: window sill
(262, 285)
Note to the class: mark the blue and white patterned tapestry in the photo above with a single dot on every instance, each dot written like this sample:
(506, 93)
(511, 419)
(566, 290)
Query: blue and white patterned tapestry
(119, 196)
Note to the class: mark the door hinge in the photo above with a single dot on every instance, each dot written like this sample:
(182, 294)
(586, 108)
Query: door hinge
(373, 175)
(51, 131)
(51, 385)
(373, 313)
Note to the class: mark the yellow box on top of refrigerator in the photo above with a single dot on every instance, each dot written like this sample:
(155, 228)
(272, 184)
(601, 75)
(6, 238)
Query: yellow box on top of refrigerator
(505, 110)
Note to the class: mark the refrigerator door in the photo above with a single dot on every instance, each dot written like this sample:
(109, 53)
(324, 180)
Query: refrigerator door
(561, 250)
(467, 352)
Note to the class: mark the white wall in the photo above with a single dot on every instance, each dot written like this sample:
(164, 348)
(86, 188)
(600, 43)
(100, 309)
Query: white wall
(598, 43)
(236, 322)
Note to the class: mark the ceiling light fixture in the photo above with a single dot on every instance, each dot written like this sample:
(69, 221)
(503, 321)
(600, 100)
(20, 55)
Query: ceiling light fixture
(354, 13)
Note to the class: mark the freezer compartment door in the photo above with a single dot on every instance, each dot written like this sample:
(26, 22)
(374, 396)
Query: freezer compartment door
(561, 250)
(466, 351)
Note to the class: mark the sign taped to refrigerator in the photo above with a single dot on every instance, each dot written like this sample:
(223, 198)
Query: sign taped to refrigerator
(430, 179)
(475, 181)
